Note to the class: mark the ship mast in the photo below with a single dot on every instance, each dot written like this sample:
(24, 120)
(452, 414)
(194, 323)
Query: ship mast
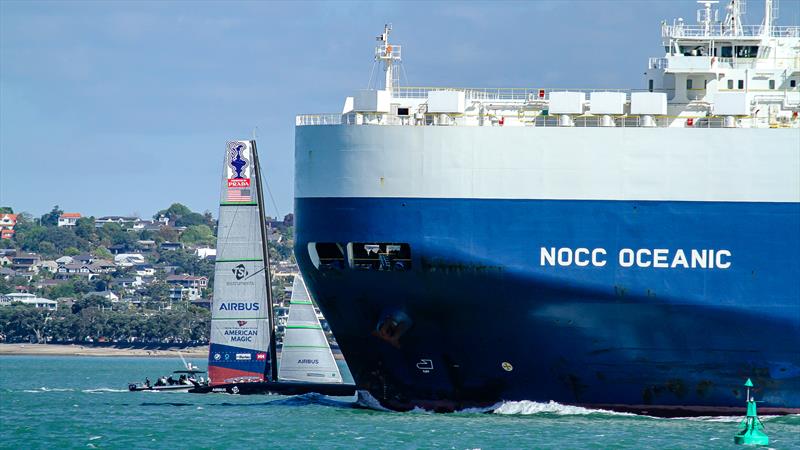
(768, 18)
(733, 18)
(387, 53)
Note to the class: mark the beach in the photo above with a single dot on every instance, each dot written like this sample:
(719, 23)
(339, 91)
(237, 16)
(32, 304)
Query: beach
(88, 350)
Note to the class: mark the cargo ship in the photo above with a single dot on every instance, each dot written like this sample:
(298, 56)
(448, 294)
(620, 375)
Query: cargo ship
(630, 250)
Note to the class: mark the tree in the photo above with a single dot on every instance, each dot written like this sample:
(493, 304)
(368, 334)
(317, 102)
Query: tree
(61, 290)
(190, 219)
(51, 219)
(198, 234)
(168, 234)
(5, 286)
(157, 291)
(71, 251)
(103, 253)
(46, 248)
(29, 237)
(84, 229)
(116, 235)
(63, 238)
(6, 210)
(175, 211)
(91, 301)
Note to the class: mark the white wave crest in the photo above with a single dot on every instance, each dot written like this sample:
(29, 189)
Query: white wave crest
(47, 389)
(723, 419)
(526, 407)
(366, 400)
(100, 390)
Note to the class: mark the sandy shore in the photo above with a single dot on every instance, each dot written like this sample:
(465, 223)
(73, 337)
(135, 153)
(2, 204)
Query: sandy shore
(84, 350)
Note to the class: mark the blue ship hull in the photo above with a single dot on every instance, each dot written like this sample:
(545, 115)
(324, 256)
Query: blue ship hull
(478, 318)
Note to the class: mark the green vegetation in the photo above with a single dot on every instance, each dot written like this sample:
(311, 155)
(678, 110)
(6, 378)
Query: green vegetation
(146, 313)
(94, 320)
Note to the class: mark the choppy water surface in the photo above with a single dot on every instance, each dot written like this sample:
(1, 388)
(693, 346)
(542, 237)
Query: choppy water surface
(80, 402)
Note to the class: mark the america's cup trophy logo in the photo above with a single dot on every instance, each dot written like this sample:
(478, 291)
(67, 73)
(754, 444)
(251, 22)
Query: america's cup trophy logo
(238, 162)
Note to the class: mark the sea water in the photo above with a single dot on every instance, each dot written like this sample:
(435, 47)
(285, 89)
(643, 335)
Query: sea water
(83, 402)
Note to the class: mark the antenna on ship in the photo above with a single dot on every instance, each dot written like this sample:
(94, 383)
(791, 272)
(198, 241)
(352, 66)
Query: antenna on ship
(387, 53)
(733, 18)
(706, 16)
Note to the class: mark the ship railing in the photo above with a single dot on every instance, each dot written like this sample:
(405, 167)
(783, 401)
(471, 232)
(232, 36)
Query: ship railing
(545, 121)
(592, 121)
(497, 94)
(658, 63)
(320, 119)
(720, 30)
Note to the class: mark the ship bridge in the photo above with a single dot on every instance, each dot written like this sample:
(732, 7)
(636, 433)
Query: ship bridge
(714, 74)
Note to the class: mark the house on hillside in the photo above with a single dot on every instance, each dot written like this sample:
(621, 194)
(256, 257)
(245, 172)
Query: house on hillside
(77, 270)
(64, 260)
(25, 262)
(6, 255)
(49, 266)
(127, 284)
(146, 245)
(83, 258)
(186, 287)
(103, 266)
(108, 295)
(144, 270)
(188, 280)
(7, 273)
(29, 299)
(171, 246)
(128, 259)
(123, 221)
(117, 249)
(68, 219)
(206, 252)
(7, 222)
(148, 225)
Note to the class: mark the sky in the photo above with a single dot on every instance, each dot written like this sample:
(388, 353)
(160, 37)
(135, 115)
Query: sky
(118, 108)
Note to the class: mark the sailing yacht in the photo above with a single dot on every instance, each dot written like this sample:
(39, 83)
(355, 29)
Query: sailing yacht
(242, 356)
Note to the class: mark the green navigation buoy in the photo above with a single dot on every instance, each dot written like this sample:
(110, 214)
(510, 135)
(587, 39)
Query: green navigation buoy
(751, 429)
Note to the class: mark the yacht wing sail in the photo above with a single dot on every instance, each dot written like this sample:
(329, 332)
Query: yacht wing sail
(240, 319)
(306, 355)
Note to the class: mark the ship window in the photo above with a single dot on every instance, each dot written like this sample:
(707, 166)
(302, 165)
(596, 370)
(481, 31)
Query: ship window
(772, 84)
(650, 85)
(386, 257)
(402, 111)
(688, 84)
(792, 83)
(326, 255)
(741, 84)
(730, 84)
(726, 52)
(746, 51)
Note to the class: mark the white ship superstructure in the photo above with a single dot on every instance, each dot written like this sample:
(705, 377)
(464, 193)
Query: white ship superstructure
(717, 73)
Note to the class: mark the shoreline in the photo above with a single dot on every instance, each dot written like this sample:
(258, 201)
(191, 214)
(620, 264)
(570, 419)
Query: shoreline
(89, 350)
